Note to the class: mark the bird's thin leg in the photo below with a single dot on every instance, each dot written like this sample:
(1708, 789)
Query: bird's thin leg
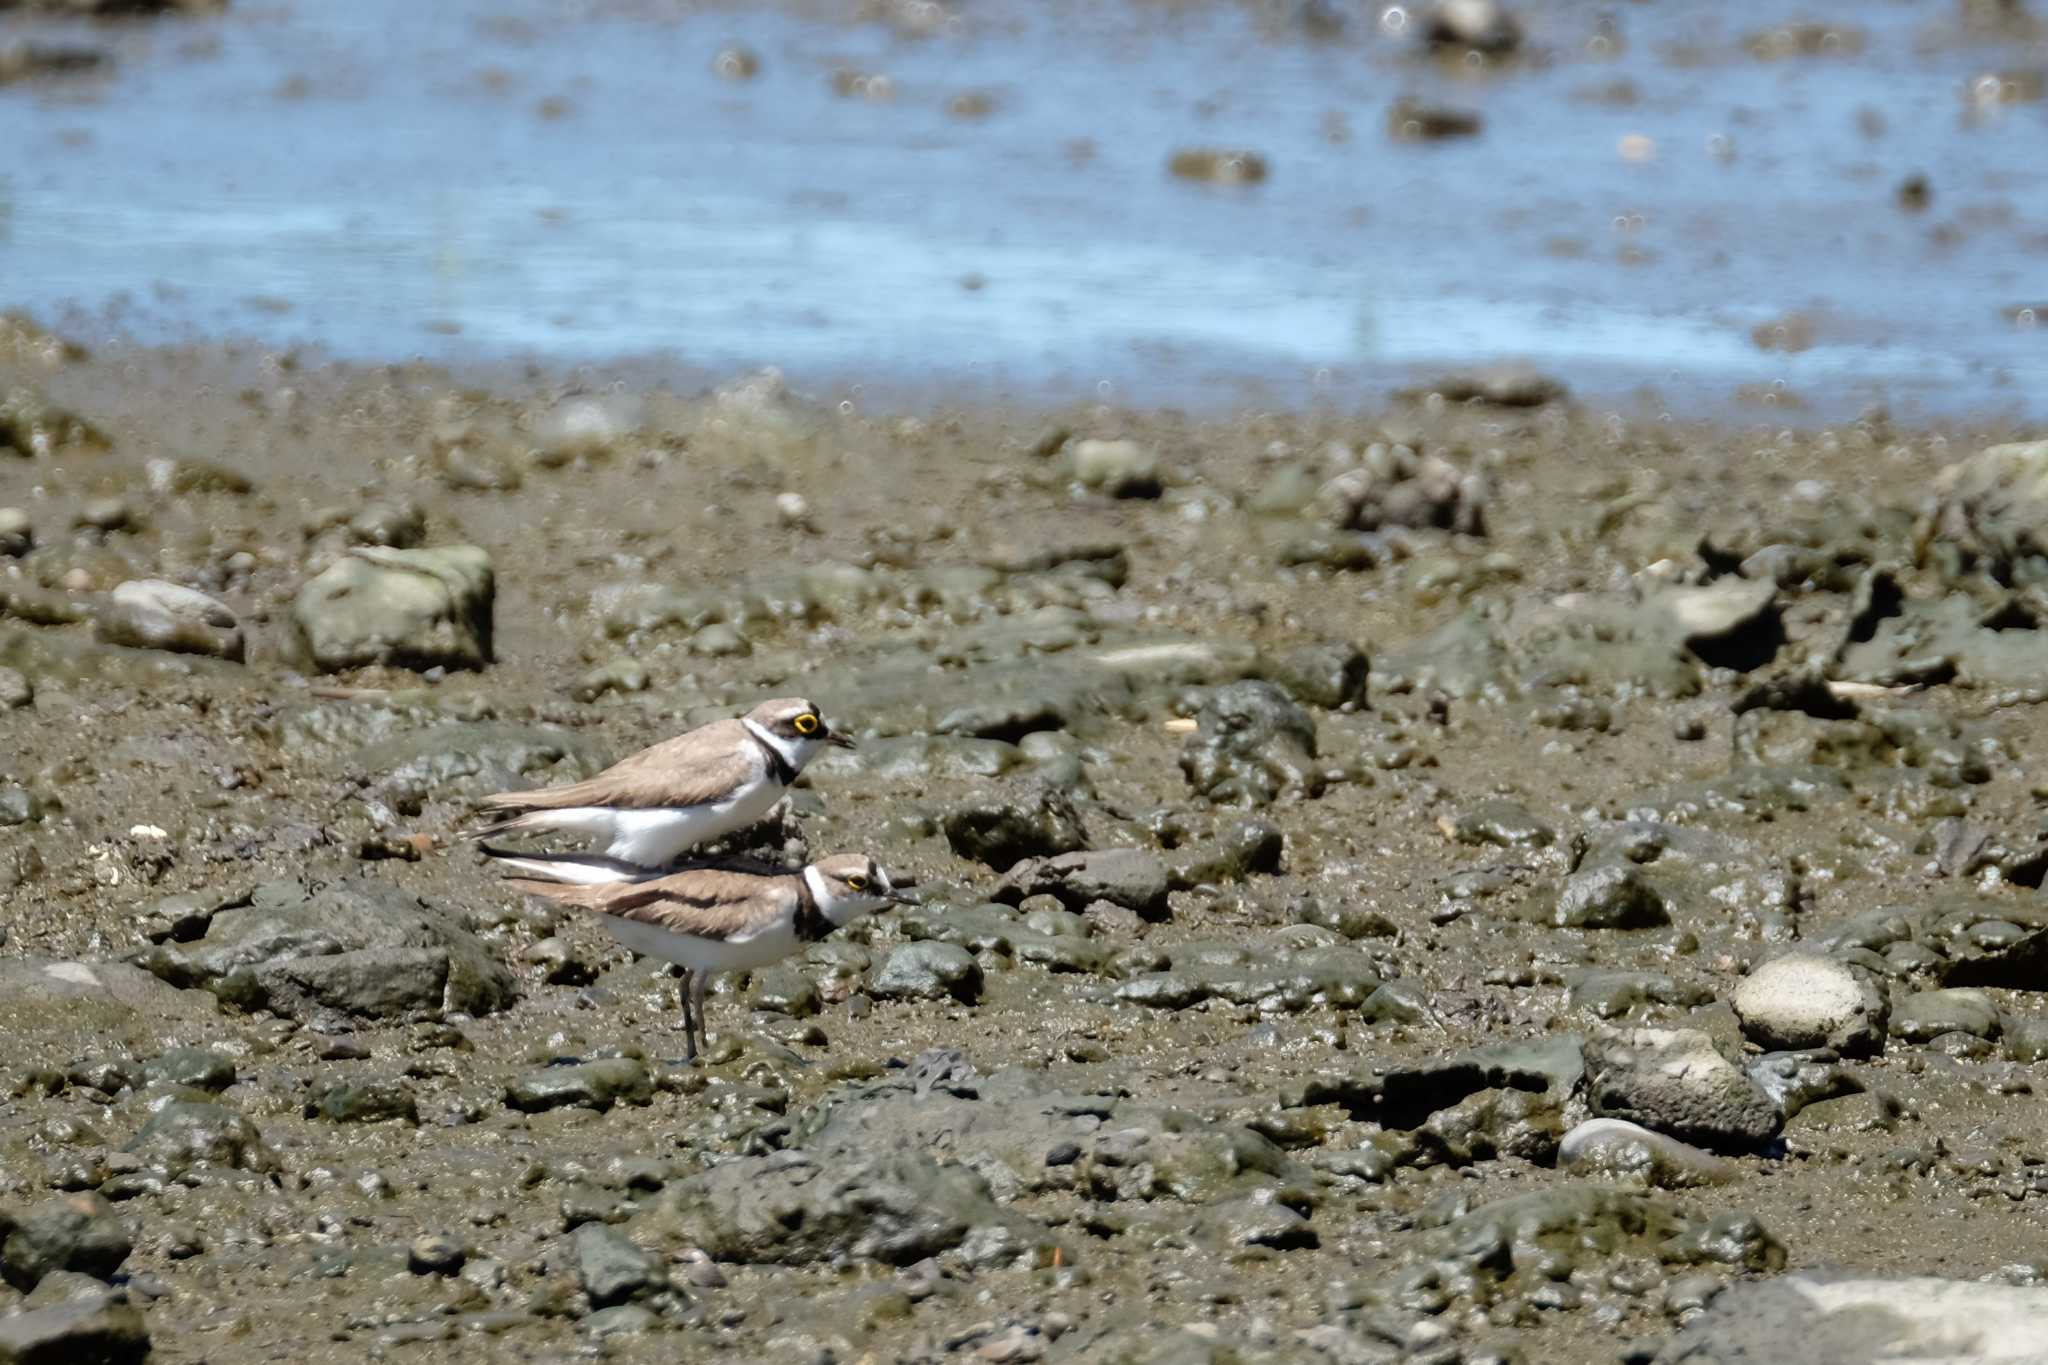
(700, 982)
(689, 1023)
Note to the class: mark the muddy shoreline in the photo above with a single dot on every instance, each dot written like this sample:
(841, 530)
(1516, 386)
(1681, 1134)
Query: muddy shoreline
(1517, 729)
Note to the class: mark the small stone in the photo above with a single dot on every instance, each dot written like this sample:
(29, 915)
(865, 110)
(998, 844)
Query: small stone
(435, 1253)
(1129, 877)
(1923, 1017)
(589, 1085)
(1472, 25)
(927, 970)
(1609, 896)
(720, 641)
(106, 514)
(188, 1133)
(15, 690)
(1252, 744)
(1001, 828)
(1804, 1000)
(1503, 824)
(1617, 1147)
(586, 425)
(559, 962)
(17, 532)
(1123, 469)
(783, 990)
(613, 1268)
(195, 1067)
(791, 509)
(364, 1101)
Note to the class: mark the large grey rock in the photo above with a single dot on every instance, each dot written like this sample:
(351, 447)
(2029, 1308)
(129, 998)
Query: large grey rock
(358, 947)
(1676, 1082)
(410, 608)
(1252, 744)
(799, 1208)
(1804, 1000)
(152, 614)
(1130, 877)
(77, 1232)
(1822, 1319)
(107, 1330)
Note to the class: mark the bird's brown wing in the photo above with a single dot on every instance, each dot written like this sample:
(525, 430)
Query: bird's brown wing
(704, 902)
(692, 769)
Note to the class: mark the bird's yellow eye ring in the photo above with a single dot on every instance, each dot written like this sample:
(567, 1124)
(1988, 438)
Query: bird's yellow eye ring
(806, 724)
(857, 883)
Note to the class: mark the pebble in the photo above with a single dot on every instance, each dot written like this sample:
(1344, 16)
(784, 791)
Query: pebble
(1923, 1017)
(17, 532)
(588, 1085)
(927, 971)
(16, 691)
(1804, 1000)
(1620, 1148)
(435, 1253)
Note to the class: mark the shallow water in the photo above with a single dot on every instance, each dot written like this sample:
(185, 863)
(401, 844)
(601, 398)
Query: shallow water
(522, 178)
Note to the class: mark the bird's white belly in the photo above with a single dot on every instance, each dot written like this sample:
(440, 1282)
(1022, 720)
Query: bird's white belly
(771, 944)
(655, 836)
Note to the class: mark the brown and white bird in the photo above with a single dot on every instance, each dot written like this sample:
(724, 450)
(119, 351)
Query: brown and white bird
(708, 920)
(651, 806)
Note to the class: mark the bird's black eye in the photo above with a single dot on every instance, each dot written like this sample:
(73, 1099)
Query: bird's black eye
(857, 882)
(806, 724)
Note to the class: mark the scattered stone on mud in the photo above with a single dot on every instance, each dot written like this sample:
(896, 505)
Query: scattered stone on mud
(1927, 1015)
(1003, 825)
(614, 1269)
(32, 427)
(1252, 744)
(185, 1134)
(1129, 877)
(108, 1330)
(896, 1207)
(927, 971)
(1675, 1081)
(1120, 468)
(1609, 896)
(1414, 120)
(152, 614)
(585, 1085)
(358, 948)
(1394, 486)
(76, 1232)
(17, 532)
(1472, 25)
(416, 609)
(1616, 1147)
(1804, 1000)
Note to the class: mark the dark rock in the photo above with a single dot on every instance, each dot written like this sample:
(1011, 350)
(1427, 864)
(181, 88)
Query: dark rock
(1255, 1223)
(435, 1253)
(587, 1085)
(1490, 1124)
(1351, 918)
(1252, 744)
(1927, 1015)
(1676, 1082)
(893, 1206)
(1396, 487)
(1236, 850)
(197, 1068)
(927, 971)
(1609, 995)
(1503, 824)
(104, 1331)
(1330, 675)
(188, 1133)
(1001, 828)
(79, 1233)
(614, 1269)
(416, 609)
(357, 947)
(1609, 896)
(364, 1101)
(1129, 877)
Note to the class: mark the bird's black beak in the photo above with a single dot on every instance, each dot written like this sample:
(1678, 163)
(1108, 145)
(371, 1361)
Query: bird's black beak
(903, 897)
(840, 741)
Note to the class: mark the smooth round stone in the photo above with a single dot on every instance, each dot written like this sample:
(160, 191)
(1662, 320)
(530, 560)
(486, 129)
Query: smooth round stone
(435, 1253)
(1804, 1000)
(1618, 1147)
